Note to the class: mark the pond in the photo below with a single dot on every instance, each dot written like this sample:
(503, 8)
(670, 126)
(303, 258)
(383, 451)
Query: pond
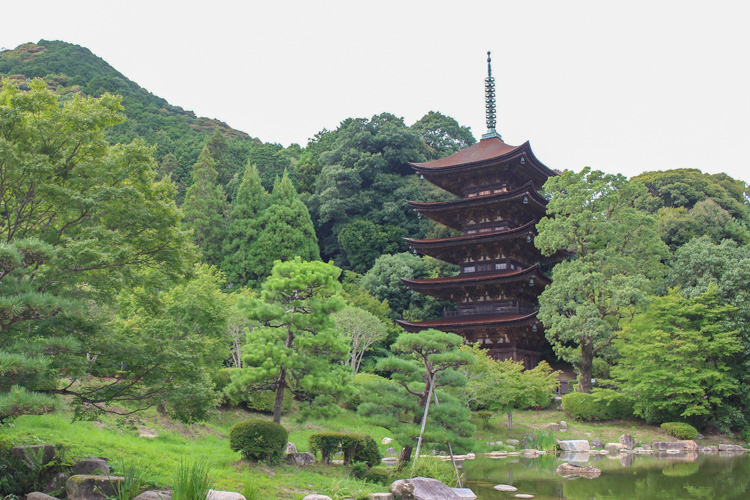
(623, 477)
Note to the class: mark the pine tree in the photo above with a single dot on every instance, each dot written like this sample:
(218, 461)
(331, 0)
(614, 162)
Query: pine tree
(243, 229)
(204, 208)
(287, 230)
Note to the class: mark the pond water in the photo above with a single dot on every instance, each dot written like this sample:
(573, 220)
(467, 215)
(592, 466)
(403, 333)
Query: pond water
(629, 477)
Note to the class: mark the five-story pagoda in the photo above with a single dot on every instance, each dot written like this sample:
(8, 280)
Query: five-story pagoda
(496, 290)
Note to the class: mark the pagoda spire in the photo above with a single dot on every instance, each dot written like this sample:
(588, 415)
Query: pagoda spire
(489, 101)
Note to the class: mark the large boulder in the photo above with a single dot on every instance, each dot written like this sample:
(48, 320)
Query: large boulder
(596, 444)
(37, 495)
(224, 495)
(422, 488)
(386, 440)
(627, 441)
(381, 496)
(554, 426)
(576, 445)
(730, 447)
(291, 448)
(513, 442)
(614, 447)
(88, 487)
(300, 459)
(32, 452)
(572, 470)
(505, 487)
(91, 466)
(465, 493)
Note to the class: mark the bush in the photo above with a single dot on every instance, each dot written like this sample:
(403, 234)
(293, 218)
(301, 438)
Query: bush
(680, 430)
(379, 475)
(356, 447)
(745, 434)
(362, 382)
(602, 404)
(258, 439)
(485, 416)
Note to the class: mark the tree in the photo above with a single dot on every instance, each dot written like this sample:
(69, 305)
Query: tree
(362, 329)
(243, 228)
(676, 356)
(298, 347)
(615, 259)
(286, 231)
(428, 361)
(506, 385)
(362, 242)
(442, 135)
(80, 220)
(204, 209)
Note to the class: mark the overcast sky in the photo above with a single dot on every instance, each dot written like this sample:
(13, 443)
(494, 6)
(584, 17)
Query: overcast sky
(624, 87)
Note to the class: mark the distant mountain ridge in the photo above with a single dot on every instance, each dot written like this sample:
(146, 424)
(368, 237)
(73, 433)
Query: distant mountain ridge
(70, 69)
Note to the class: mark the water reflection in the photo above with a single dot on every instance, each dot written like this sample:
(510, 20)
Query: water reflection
(624, 477)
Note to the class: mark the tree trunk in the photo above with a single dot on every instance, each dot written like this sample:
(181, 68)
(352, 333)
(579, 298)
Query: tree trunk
(586, 367)
(404, 456)
(510, 419)
(278, 404)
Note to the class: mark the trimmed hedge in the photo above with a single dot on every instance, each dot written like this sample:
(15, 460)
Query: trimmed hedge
(356, 447)
(259, 439)
(680, 430)
(602, 404)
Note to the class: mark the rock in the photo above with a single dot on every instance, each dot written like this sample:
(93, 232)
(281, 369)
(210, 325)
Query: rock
(391, 452)
(155, 495)
(510, 447)
(88, 487)
(386, 440)
(381, 496)
(57, 483)
(627, 441)
(224, 495)
(574, 445)
(36, 495)
(709, 450)
(91, 466)
(554, 426)
(316, 497)
(147, 432)
(597, 444)
(730, 447)
(524, 495)
(505, 487)
(614, 447)
(30, 453)
(674, 445)
(465, 493)
(563, 425)
(422, 488)
(300, 459)
(571, 470)
(513, 442)
(291, 448)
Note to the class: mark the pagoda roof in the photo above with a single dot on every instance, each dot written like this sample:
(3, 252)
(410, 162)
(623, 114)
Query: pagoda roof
(473, 279)
(488, 237)
(426, 207)
(485, 151)
(468, 321)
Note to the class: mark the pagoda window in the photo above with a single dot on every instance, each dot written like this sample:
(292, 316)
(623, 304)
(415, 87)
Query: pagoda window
(469, 269)
(471, 231)
(485, 230)
(501, 265)
(471, 195)
(485, 192)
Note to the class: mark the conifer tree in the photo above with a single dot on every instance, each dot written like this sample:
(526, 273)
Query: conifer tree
(287, 231)
(204, 208)
(243, 229)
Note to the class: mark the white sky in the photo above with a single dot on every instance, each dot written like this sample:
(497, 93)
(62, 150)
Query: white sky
(624, 87)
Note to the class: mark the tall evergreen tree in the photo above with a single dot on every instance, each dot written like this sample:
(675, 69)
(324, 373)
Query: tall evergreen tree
(243, 229)
(204, 208)
(287, 231)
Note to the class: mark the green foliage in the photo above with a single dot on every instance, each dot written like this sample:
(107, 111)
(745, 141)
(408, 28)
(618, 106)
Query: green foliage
(434, 468)
(362, 329)
(680, 430)
(442, 135)
(745, 434)
(205, 207)
(298, 348)
(603, 404)
(616, 264)
(327, 443)
(379, 475)
(361, 383)
(191, 481)
(16, 476)
(259, 440)
(485, 416)
(134, 479)
(19, 401)
(676, 358)
(421, 364)
(363, 241)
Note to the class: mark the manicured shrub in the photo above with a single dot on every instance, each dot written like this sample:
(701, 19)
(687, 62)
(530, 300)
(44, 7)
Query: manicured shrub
(356, 447)
(602, 404)
(485, 416)
(258, 439)
(680, 430)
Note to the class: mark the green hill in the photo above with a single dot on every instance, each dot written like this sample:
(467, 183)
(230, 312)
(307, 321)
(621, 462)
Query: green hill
(70, 69)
